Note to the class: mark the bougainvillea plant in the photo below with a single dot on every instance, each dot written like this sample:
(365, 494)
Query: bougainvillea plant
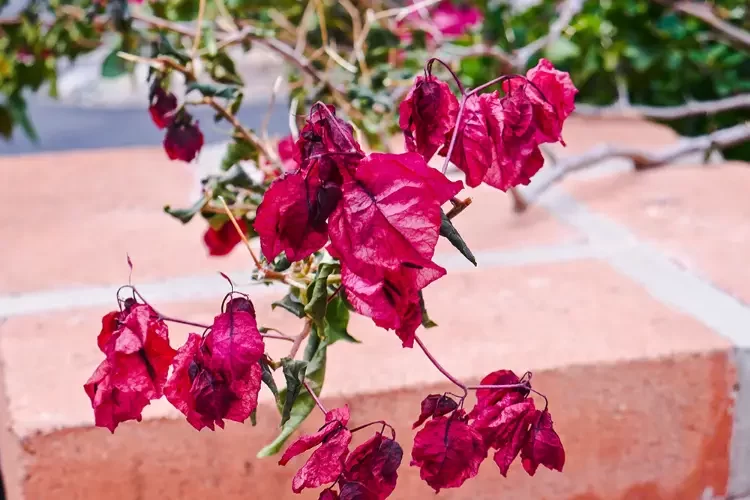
(350, 231)
(346, 229)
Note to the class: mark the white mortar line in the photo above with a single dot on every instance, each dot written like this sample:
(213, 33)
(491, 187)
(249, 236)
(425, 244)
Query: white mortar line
(661, 277)
(664, 280)
(200, 287)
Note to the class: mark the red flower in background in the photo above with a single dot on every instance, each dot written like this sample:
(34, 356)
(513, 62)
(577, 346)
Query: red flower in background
(372, 469)
(162, 107)
(455, 19)
(222, 241)
(184, 139)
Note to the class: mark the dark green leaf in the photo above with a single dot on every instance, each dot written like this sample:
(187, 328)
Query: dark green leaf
(17, 106)
(209, 90)
(294, 373)
(184, 215)
(317, 293)
(336, 322)
(426, 321)
(281, 263)
(166, 48)
(291, 304)
(239, 150)
(6, 122)
(315, 355)
(449, 231)
(267, 379)
(114, 65)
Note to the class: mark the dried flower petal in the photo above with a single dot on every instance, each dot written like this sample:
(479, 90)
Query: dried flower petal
(374, 465)
(543, 445)
(426, 114)
(162, 107)
(434, 405)
(234, 343)
(448, 452)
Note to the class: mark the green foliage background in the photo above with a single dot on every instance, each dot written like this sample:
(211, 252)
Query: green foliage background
(663, 58)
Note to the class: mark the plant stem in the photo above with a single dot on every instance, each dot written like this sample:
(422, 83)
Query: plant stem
(299, 338)
(381, 422)
(455, 133)
(315, 397)
(439, 366)
(181, 321)
(455, 77)
(246, 134)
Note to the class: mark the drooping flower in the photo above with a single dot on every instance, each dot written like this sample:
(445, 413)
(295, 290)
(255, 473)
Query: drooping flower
(326, 463)
(390, 298)
(136, 343)
(208, 395)
(184, 139)
(552, 95)
(292, 216)
(426, 114)
(434, 405)
(543, 445)
(234, 344)
(162, 107)
(448, 452)
(389, 214)
(223, 240)
(506, 429)
(373, 467)
(472, 151)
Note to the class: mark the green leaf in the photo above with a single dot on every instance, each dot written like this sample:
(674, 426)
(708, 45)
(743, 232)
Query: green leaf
(209, 90)
(6, 122)
(448, 230)
(294, 373)
(292, 304)
(317, 293)
(315, 355)
(166, 48)
(426, 321)
(239, 150)
(17, 106)
(267, 379)
(336, 322)
(281, 263)
(184, 215)
(254, 417)
(114, 65)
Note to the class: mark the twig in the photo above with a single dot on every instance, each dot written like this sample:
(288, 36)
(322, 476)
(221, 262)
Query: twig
(269, 111)
(569, 9)
(315, 397)
(400, 13)
(198, 29)
(692, 108)
(299, 338)
(246, 134)
(721, 139)
(439, 366)
(458, 207)
(706, 13)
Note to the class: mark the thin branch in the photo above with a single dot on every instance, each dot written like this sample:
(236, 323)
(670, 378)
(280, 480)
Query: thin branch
(198, 28)
(721, 139)
(439, 366)
(569, 10)
(299, 338)
(247, 134)
(706, 13)
(315, 397)
(692, 108)
(269, 110)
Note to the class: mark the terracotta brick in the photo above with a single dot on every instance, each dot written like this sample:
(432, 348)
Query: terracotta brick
(628, 379)
(696, 214)
(93, 207)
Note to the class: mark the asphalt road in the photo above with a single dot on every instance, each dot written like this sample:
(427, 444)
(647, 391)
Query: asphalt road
(64, 127)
